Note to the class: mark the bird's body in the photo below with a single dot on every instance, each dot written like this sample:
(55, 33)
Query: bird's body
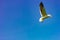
(43, 13)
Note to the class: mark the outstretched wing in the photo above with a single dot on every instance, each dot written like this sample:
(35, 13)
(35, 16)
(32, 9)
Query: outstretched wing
(42, 10)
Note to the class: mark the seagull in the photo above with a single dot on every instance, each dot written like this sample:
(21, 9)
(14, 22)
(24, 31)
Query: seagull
(43, 13)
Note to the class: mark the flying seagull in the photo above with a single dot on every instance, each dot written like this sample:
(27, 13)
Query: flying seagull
(43, 13)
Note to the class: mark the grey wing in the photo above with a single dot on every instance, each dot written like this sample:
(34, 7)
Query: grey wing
(43, 12)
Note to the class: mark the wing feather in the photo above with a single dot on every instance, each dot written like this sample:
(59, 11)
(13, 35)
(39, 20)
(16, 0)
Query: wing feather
(42, 10)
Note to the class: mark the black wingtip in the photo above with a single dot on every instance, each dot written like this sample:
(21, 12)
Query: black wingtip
(41, 4)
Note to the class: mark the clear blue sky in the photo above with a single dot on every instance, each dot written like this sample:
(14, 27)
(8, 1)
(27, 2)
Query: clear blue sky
(19, 20)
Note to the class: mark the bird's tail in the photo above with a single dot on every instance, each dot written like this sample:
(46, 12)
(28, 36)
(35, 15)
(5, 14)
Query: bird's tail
(49, 15)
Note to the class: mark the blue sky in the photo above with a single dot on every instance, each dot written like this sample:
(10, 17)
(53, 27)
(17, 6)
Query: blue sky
(19, 20)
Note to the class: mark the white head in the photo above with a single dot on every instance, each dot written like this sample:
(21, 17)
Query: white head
(41, 20)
